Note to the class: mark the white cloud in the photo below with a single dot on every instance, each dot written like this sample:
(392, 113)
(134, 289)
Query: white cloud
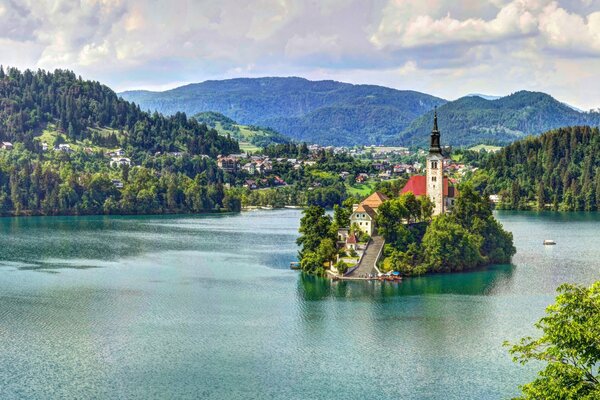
(448, 47)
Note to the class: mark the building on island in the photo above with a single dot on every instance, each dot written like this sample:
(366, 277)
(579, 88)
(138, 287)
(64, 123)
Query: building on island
(434, 184)
(365, 213)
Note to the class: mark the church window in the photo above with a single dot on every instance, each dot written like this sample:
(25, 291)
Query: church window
(434, 178)
(434, 165)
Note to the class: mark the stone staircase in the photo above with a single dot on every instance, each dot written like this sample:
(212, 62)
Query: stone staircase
(369, 260)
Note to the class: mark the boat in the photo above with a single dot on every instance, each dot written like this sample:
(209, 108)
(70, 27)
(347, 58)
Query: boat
(549, 242)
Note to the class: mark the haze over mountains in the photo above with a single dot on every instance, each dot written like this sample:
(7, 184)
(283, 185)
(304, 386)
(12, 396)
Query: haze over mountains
(336, 113)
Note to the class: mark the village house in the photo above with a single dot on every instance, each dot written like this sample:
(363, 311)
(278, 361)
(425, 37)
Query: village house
(364, 214)
(362, 177)
(439, 188)
(119, 161)
(7, 146)
(117, 183)
(64, 147)
(228, 163)
(116, 153)
(44, 146)
(249, 168)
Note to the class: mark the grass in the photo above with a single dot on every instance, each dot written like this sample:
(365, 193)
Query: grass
(50, 133)
(360, 189)
(247, 146)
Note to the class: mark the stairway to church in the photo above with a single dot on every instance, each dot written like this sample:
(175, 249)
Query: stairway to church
(370, 258)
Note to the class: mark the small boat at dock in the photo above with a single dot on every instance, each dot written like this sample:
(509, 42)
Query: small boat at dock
(549, 242)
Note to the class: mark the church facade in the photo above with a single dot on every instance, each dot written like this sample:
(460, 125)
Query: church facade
(434, 184)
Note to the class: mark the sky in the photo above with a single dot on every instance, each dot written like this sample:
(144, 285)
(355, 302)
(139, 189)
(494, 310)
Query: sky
(448, 48)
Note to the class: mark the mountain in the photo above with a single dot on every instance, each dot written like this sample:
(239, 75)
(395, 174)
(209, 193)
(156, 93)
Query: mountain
(484, 96)
(473, 120)
(250, 137)
(35, 106)
(325, 112)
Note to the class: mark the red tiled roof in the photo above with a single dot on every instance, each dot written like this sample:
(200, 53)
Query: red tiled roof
(375, 200)
(417, 185)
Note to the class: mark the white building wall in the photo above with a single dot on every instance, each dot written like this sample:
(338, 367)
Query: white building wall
(435, 182)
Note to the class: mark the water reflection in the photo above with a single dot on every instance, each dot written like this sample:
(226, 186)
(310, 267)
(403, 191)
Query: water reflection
(493, 280)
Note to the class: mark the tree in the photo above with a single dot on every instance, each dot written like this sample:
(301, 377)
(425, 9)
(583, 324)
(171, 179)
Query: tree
(327, 251)
(447, 246)
(315, 226)
(569, 346)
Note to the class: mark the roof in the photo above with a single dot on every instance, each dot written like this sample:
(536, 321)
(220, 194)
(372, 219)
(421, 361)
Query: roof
(417, 185)
(375, 200)
(364, 208)
(351, 239)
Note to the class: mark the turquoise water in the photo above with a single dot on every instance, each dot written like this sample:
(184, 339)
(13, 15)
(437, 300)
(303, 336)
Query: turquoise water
(205, 307)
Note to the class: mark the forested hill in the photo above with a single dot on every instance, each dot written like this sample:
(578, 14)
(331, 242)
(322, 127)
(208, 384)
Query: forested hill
(80, 110)
(558, 170)
(473, 119)
(325, 112)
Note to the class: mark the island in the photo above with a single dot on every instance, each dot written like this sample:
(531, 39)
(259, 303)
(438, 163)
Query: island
(429, 226)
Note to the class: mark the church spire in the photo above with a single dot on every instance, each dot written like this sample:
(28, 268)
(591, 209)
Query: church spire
(435, 136)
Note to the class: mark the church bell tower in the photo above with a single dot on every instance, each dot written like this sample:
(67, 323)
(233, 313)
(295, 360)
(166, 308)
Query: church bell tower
(435, 170)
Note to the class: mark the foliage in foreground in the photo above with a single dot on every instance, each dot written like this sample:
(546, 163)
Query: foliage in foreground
(569, 346)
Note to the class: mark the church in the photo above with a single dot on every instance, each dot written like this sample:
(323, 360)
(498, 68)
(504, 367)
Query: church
(434, 184)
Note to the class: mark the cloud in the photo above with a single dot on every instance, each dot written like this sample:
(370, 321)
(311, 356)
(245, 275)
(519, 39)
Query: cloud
(570, 32)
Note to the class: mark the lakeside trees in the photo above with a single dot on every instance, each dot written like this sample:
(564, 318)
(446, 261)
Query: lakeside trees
(558, 170)
(317, 240)
(569, 347)
(79, 183)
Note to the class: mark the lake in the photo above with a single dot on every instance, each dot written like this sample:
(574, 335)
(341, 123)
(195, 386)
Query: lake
(206, 307)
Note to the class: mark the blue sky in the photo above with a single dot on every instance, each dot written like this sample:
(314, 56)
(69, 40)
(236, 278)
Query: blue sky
(447, 48)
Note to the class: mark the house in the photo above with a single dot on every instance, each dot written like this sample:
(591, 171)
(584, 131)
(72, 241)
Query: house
(351, 242)
(228, 164)
(365, 213)
(250, 184)
(364, 218)
(495, 198)
(249, 168)
(362, 177)
(278, 181)
(44, 146)
(117, 183)
(434, 184)
(119, 161)
(7, 146)
(64, 147)
(116, 153)
(385, 175)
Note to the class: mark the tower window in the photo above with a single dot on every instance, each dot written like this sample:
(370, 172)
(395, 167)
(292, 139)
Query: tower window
(434, 178)
(434, 165)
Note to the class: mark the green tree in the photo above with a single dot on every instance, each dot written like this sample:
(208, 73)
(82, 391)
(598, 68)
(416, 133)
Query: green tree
(569, 346)
(315, 226)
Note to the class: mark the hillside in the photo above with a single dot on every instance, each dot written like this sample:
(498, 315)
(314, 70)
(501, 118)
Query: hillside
(162, 166)
(250, 137)
(34, 104)
(559, 170)
(473, 119)
(325, 112)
